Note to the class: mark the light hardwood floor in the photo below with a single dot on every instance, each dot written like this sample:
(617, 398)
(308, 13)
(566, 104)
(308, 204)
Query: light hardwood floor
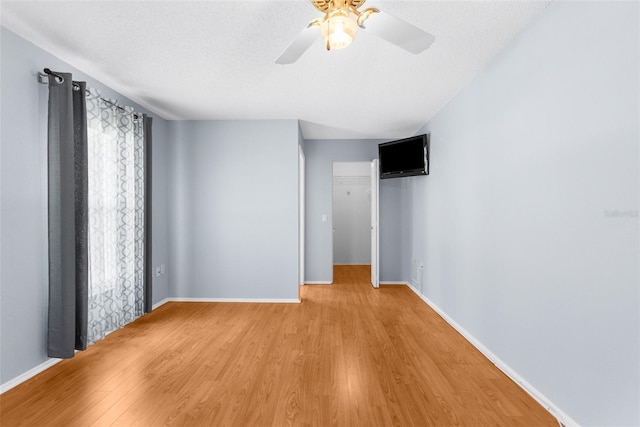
(348, 355)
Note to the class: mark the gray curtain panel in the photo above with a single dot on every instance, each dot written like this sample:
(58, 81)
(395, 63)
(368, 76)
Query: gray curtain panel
(81, 211)
(67, 174)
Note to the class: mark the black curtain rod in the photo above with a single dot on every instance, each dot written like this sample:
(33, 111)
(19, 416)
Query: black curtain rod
(61, 79)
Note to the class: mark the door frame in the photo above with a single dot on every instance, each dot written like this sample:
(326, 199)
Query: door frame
(301, 214)
(375, 223)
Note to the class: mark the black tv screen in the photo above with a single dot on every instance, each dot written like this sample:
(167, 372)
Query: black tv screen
(404, 157)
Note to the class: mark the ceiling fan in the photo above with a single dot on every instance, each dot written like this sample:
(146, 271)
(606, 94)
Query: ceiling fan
(339, 24)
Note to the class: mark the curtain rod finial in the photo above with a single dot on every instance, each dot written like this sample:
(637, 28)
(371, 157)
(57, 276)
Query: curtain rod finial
(58, 77)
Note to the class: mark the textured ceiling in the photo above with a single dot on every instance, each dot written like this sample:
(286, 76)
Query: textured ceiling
(215, 59)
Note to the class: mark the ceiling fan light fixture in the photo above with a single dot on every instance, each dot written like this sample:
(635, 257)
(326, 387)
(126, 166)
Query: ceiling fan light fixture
(340, 22)
(338, 30)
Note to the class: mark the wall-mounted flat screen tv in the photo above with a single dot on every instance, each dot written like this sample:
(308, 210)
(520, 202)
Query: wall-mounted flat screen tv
(404, 157)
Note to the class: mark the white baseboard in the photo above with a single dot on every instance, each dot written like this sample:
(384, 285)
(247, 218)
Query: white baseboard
(560, 415)
(163, 302)
(30, 373)
(244, 300)
(317, 283)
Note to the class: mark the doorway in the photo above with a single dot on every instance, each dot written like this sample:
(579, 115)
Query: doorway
(352, 207)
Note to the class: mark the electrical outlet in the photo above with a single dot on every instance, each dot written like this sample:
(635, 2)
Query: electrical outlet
(158, 272)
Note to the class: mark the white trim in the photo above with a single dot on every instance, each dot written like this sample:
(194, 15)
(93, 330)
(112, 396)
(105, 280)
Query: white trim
(301, 213)
(27, 375)
(243, 300)
(397, 282)
(307, 282)
(558, 413)
(374, 176)
(158, 304)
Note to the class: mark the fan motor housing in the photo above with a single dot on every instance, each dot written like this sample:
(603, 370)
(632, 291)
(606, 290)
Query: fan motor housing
(326, 5)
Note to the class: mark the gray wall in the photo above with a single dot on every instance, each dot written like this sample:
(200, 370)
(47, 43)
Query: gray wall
(233, 192)
(23, 202)
(320, 155)
(528, 223)
(160, 206)
(394, 233)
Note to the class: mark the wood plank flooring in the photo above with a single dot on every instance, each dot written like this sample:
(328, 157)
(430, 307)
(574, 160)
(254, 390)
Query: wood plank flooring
(348, 355)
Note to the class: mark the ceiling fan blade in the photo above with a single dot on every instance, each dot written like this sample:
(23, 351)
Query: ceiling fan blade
(398, 32)
(300, 44)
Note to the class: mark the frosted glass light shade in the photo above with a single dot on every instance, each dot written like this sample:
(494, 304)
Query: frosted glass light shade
(339, 30)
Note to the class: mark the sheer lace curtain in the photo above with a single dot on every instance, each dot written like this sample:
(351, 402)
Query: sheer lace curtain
(115, 140)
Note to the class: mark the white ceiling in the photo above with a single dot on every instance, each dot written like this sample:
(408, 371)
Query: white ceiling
(214, 60)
